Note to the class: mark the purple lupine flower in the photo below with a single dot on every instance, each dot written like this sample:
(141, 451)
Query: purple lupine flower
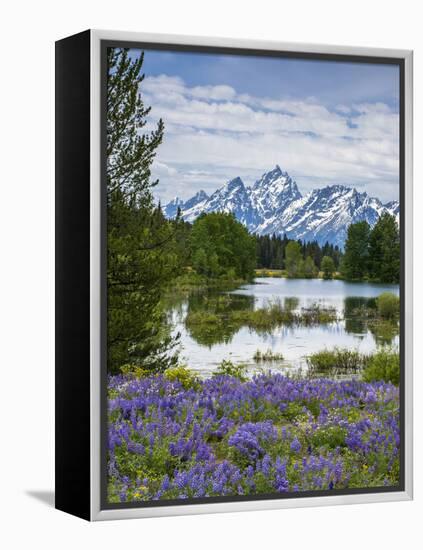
(191, 425)
(295, 446)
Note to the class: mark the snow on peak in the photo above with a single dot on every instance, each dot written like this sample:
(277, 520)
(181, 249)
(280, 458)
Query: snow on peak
(274, 204)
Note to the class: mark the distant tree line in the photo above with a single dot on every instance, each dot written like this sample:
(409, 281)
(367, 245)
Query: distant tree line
(217, 245)
(297, 257)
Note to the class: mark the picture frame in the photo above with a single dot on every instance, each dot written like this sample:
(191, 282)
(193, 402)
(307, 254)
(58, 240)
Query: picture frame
(81, 282)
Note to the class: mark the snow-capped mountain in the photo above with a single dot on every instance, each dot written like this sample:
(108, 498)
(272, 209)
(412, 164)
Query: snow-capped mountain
(274, 204)
(198, 198)
(232, 197)
(393, 208)
(273, 193)
(171, 209)
(325, 214)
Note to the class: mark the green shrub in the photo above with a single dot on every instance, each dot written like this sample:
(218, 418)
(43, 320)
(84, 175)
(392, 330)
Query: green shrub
(227, 368)
(336, 361)
(328, 267)
(388, 305)
(183, 375)
(134, 370)
(329, 436)
(383, 365)
(293, 410)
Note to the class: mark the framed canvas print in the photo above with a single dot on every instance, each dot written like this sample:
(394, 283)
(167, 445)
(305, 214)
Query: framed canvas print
(233, 275)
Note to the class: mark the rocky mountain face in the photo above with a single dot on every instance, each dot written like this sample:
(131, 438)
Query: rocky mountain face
(274, 204)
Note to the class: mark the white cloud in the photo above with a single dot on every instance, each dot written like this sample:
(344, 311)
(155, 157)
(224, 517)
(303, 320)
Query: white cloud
(213, 132)
(162, 169)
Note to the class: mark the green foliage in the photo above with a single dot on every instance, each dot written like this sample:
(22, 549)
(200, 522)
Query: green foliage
(130, 152)
(355, 261)
(293, 410)
(182, 374)
(329, 436)
(138, 270)
(384, 250)
(236, 370)
(336, 361)
(328, 267)
(221, 245)
(271, 251)
(384, 330)
(373, 254)
(383, 365)
(134, 370)
(199, 261)
(388, 305)
(310, 269)
(141, 257)
(277, 273)
(294, 260)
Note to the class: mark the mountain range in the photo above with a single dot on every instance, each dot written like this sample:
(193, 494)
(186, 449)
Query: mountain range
(274, 204)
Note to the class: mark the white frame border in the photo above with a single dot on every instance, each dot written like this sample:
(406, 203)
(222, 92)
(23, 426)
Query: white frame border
(95, 269)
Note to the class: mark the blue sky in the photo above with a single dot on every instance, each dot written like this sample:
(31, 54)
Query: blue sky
(324, 122)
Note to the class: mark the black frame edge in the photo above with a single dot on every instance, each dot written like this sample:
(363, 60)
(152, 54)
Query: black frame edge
(72, 248)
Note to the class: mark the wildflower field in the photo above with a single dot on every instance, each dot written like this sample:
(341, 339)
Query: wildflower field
(222, 436)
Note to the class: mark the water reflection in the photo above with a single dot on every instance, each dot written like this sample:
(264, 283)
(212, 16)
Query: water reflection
(205, 344)
(213, 311)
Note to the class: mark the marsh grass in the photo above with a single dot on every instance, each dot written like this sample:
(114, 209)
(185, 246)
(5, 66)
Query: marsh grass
(262, 319)
(382, 365)
(267, 356)
(336, 362)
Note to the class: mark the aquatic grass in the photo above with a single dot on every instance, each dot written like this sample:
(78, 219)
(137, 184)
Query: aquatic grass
(267, 356)
(269, 434)
(384, 364)
(336, 361)
(273, 315)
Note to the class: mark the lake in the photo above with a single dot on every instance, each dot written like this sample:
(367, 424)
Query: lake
(202, 350)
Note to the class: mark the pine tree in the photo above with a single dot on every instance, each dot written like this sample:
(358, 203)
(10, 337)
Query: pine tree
(140, 259)
(355, 262)
(384, 250)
